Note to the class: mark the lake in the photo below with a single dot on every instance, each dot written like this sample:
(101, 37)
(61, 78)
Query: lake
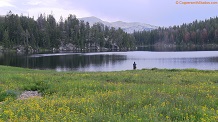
(113, 61)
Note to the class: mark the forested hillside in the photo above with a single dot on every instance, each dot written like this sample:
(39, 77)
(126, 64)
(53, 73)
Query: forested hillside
(195, 33)
(25, 33)
(65, 34)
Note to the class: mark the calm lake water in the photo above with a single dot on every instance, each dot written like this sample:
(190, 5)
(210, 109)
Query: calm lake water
(113, 61)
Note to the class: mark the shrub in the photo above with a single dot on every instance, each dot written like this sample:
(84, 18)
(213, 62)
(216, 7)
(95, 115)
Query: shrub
(8, 94)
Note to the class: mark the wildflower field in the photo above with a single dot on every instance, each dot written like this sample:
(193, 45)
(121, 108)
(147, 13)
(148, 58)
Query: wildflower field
(130, 96)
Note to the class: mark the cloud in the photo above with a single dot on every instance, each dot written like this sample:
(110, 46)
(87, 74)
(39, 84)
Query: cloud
(42, 2)
(57, 12)
(6, 3)
(34, 2)
(36, 7)
(156, 12)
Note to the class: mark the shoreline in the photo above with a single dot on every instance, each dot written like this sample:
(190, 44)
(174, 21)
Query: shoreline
(155, 47)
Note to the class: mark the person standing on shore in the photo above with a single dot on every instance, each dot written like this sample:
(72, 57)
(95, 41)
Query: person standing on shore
(134, 65)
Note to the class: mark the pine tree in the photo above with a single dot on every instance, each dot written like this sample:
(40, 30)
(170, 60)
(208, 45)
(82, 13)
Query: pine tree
(6, 39)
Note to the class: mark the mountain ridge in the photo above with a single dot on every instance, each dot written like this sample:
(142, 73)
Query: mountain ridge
(128, 27)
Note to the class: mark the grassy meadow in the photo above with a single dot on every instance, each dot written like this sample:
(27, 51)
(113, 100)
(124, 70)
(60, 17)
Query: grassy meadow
(128, 96)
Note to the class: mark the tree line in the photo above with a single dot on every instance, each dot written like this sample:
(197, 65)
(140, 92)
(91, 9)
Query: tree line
(46, 33)
(195, 33)
(73, 34)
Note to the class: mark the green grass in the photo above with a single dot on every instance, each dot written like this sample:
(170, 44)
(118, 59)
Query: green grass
(138, 95)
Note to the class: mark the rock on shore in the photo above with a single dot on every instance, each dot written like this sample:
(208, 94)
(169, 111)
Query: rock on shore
(28, 94)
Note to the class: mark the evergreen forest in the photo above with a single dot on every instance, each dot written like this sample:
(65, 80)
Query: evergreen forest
(195, 33)
(45, 32)
(66, 34)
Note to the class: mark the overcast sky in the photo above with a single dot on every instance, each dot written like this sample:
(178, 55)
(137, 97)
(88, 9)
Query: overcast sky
(155, 12)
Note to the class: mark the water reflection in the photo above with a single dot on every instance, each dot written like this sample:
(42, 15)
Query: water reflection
(13, 59)
(65, 61)
(113, 61)
(204, 60)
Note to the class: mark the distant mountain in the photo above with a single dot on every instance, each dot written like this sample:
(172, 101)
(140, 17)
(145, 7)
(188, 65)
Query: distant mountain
(127, 27)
